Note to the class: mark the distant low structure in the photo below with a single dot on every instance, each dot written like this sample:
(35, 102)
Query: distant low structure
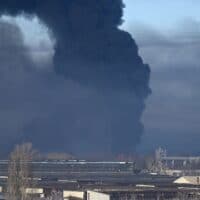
(43, 169)
(176, 165)
(85, 195)
(36, 192)
(188, 180)
(67, 195)
(91, 195)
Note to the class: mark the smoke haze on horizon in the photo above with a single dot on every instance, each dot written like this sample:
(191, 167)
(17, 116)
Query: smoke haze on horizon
(172, 115)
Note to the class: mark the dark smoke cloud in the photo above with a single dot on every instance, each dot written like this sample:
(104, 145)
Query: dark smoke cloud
(95, 102)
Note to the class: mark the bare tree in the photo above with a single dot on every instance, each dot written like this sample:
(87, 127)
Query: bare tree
(19, 172)
(55, 195)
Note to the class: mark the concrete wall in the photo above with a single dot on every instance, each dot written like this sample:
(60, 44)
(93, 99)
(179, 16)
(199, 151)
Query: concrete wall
(90, 195)
(97, 196)
(34, 191)
(75, 194)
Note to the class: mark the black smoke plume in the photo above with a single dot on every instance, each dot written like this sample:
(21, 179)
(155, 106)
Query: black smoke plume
(93, 106)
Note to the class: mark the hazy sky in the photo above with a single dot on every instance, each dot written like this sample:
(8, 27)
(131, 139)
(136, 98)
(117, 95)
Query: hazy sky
(161, 13)
(168, 35)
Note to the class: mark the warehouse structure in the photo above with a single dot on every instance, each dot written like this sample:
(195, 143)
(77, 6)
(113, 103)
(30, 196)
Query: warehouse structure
(113, 180)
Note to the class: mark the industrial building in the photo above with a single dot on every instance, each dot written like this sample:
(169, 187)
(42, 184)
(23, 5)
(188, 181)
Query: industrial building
(48, 169)
(177, 165)
(105, 180)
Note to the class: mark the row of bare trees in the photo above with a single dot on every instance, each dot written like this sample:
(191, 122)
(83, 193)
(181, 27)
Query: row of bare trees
(20, 177)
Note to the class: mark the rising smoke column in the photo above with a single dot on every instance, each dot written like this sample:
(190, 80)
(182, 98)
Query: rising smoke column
(113, 81)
